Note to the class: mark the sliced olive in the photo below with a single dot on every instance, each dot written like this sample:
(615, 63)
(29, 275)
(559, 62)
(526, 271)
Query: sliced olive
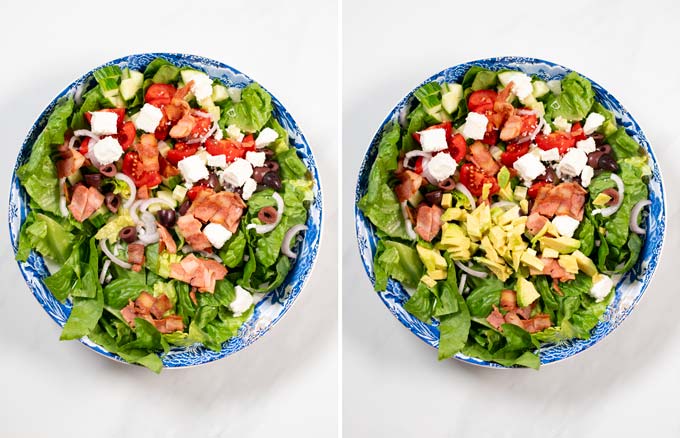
(108, 170)
(93, 180)
(607, 162)
(272, 165)
(112, 202)
(128, 234)
(434, 198)
(447, 185)
(267, 215)
(273, 180)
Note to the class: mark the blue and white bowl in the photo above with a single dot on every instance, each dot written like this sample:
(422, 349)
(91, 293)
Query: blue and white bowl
(268, 311)
(629, 289)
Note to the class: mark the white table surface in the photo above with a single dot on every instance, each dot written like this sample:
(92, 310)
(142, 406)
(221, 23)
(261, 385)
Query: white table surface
(626, 385)
(285, 384)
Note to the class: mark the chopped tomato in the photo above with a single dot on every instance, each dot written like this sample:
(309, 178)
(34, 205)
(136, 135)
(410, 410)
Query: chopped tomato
(119, 111)
(159, 94)
(201, 127)
(180, 152)
(161, 132)
(194, 191)
(248, 143)
(126, 135)
(481, 101)
(84, 145)
(474, 179)
(446, 126)
(166, 169)
(577, 132)
(457, 147)
(133, 167)
(513, 152)
(490, 137)
(418, 168)
(231, 148)
(529, 123)
(533, 190)
(560, 140)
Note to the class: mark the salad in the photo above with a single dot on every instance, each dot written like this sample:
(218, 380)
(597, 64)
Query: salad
(169, 203)
(508, 207)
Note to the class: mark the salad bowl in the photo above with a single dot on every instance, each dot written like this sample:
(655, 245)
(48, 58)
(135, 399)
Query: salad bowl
(630, 287)
(269, 309)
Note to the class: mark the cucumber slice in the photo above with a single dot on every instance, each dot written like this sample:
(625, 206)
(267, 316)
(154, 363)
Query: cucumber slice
(540, 89)
(220, 93)
(130, 85)
(188, 75)
(505, 77)
(113, 96)
(452, 98)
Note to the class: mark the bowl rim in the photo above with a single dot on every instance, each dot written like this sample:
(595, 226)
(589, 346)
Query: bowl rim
(367, 164)
(316, 203)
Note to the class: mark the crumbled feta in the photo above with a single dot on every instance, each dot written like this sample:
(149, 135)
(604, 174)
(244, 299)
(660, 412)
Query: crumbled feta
(562, 124)
(234, 133)
(566, 225)
(107, 150)
(238, 172)
(202, 86)
(218, 134)
(433, 140)
(203, 155)
(587, 176)
(249, 188)
(104, 123)
(148, 118)
(234, 93)
(242, 302)
(216, 234)
(193, 169)
(475, 126)
(572, 163)
(587, 145)
(256, 158)
(266, 137)
(217, 161)
(602, 286)
(547, 129)
(593, 121)
(550, 155)
(529, 166)
(442, 166)
(522, 84)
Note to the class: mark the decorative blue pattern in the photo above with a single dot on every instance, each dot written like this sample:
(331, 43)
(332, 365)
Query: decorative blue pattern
(629, 288)
(274, 304)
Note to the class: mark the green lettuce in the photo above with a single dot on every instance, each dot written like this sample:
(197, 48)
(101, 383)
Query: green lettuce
(400, 262)
(252, 113)
(575, 100)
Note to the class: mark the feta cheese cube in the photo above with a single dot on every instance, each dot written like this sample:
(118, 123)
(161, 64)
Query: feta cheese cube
(238, 172)
(550, 155)
(202, 86)
(256, 158)
(203, 155)
(529, 166)
(475, 126)
(593, 121)
(566, 225)
(587, 176)
(217, 235)
(602, 286)
(562, 124)
(433, 140)
(242, 302)
(547, 129)
(587, 145)
(217, 161)
(107, 150)
(266, 137)
(193, 169)
(218, 134)
(249, 188)
(521, 83)
(234, 133)
(442, 166)
(572, 163)
(148, 118)
(104, 123)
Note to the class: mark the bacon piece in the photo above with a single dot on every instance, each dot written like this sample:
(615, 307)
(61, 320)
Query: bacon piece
(143, 192)
(552, 268)
(183, 127)
(170, 324)
(511, 128)
(410, 184)
(508, 300)
(152, 309)
(148, 152)
(144, 303)
(537, 324)
(165, 240)
(128, 313)
(190, 228)
(84, 202)
(525, 312)
(161, 305)
(224, 208)
(199, 273)
(535, 223)
(482, 158)
(136, 255)
(512, 318)
(564, 199)
(428, 221)
(71, 161)
(495, 318)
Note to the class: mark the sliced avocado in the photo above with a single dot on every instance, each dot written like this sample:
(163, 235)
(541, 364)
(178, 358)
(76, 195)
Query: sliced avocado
(563, 245)
(432, 259)
(569, 263)
(447, 200)
(501, 271)
(508, 216)
(490, 251)
(526, 292)
(524, 205)
(550, 253)
(453, 214)
(438, 274)
(516, 259)
(529, 258)
(428, 281)
(473, 226)
(497, 237)
(601, 200)
(585, 264)
(520, 192)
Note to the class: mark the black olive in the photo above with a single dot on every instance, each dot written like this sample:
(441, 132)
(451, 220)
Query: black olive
(607, 162)
(93, 180)
(447, 185)
(167, 217)
(267, 215)
(259, 173)
(211, 181)
(112, 202)
(548, 176)
(434, 198)
(238, 191)
(594, 159)
(605, 149)
(128, 234)
(598, 138)
(184, 207)
(268, 153)
(108, 170)
(272, 166)
(273, 180)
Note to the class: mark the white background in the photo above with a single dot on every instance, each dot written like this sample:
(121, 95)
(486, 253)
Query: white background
(625, 386)
(285, 384)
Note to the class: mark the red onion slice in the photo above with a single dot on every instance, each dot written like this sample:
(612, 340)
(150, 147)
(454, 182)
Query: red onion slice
(133, 189)
(416, 153)
(503, 204)
(86, 133)
(265, 228)
(635, 215)
(113, 258)
(470, 271)
(461, 285)
(409, 226)
(288, 238)
(105, 270)
(201, 114)
(62, 197)
(464, 190)
(606, 212)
